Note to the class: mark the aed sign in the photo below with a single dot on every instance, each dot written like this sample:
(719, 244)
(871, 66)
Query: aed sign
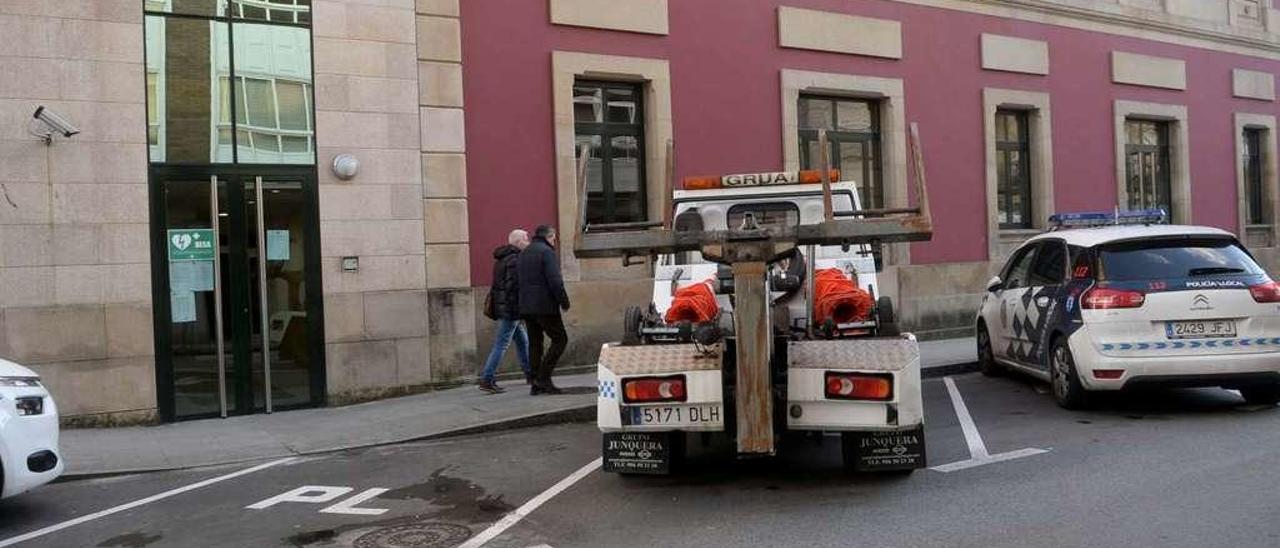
(191, 244)
(760, 179)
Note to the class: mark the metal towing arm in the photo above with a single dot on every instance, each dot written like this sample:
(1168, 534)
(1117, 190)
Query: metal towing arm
(748, 250)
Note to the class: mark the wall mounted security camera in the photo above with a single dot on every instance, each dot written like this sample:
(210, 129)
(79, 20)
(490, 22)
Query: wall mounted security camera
(55, 123)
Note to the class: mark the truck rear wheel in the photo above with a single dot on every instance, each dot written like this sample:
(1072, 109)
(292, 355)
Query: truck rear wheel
(885, 317)
(632, 320)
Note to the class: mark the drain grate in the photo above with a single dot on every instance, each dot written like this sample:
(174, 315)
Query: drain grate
(417, 535)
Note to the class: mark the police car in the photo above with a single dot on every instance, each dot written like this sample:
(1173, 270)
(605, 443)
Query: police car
(1107, 301)
(29, 454)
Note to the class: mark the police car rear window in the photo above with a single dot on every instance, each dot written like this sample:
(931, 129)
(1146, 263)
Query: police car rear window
(1175, 258)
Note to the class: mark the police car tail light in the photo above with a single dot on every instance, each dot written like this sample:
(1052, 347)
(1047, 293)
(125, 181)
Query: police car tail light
(859, 386)
(654, 389)
(1266, 293)
(1108, 374)
(1101, 298)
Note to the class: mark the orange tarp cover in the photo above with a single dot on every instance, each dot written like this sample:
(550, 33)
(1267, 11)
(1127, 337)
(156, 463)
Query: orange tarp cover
(838, 298)
(694, 303)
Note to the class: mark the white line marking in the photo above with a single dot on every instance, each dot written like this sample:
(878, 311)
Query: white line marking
(528, 508)
(973, 463)
(129, 506)
(978, 454)
(977, 449)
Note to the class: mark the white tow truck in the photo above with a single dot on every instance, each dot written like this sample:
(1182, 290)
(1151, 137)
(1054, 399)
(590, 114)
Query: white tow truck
(758, 362)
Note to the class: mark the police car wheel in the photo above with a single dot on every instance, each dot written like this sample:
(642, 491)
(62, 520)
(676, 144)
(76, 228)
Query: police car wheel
(1067, 390)
(986, 358)
(1267, 394)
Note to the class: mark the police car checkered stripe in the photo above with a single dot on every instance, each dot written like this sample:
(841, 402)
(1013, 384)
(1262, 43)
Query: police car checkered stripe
(1204, 343)
(608, 390)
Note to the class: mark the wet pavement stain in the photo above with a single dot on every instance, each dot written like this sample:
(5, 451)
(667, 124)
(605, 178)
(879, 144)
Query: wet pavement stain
(450, 499)
(457, 498)
(136, 539)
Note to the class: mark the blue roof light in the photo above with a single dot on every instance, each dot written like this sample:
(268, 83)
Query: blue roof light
(1107, 218)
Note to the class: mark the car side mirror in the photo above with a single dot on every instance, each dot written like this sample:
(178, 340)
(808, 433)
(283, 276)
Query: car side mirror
(996, 284)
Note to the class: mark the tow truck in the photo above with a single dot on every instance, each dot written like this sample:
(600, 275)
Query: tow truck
(741, 341)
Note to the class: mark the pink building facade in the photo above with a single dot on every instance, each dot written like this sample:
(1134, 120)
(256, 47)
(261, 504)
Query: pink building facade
(721, 80)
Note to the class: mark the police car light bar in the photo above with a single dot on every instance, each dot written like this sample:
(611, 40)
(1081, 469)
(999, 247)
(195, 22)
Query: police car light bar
(808, 176)
(1105, 218)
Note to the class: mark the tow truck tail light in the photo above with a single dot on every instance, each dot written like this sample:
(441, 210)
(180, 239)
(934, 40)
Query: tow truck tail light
(859, 386)
(1102, 298)
(1266, 293)
(654, 389)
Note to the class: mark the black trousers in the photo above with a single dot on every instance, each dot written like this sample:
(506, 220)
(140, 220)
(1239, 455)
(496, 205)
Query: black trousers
(551, 325)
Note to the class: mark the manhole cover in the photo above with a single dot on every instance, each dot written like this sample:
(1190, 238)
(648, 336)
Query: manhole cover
(418, 535)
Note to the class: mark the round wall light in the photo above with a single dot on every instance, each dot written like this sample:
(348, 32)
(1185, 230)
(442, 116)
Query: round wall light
(345, 166)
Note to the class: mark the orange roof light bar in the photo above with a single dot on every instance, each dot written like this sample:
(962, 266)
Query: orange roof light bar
(809, 176)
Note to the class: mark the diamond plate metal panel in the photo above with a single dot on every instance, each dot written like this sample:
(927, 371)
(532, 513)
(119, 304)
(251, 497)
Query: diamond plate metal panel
(868, 354)
(657, 358)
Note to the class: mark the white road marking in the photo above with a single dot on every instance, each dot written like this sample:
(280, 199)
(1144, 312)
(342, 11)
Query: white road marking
(523, 511)
(978, 454)
(141, 502)
(349, 506)
(309, 494)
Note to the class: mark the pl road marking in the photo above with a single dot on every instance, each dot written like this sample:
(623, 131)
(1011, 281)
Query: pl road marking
(141, 502)
(522, 512)
(978, 455)
(320, 494)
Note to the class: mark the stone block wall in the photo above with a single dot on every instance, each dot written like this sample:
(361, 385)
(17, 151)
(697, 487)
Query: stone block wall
(376, 318)
(75, 287)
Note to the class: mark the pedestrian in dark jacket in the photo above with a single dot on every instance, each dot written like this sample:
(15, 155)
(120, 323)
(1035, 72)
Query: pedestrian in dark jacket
(542, 297)
(504, 296)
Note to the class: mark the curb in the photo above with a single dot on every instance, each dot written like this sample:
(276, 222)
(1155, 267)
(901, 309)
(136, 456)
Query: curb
(946, 370)
(580, 413)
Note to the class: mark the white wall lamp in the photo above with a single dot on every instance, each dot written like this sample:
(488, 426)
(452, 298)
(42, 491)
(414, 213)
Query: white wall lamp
(345, 166)
(45, 124)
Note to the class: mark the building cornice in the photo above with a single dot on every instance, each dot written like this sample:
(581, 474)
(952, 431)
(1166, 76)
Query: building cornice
(1124, 21)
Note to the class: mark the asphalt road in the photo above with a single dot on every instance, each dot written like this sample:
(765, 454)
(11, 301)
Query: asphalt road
(1169, 469)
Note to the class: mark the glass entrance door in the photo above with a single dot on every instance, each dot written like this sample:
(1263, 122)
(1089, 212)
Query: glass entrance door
(240, 329)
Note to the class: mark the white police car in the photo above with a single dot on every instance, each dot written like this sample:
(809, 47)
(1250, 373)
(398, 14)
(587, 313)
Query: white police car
(1092, 308)
(29, 454)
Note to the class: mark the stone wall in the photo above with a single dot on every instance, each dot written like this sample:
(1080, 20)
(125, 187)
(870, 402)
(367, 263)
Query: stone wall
(75, 285)
(376, 318)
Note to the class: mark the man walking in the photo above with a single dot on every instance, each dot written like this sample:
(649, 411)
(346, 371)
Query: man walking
(542, 297)
(504, 306)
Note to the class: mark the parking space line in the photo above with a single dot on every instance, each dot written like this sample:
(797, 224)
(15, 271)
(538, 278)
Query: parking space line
(978, 454)
(141, 502)
(527, 508)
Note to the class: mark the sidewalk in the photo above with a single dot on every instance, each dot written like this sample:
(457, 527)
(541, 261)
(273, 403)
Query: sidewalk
(109, 451)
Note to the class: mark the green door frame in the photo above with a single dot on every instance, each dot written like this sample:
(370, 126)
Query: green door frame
(240, 351)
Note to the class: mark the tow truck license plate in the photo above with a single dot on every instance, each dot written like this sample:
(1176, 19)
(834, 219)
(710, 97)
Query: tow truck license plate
(674, 415)
(1200, 329)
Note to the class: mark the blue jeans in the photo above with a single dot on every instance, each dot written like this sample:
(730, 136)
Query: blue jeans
(506, 330)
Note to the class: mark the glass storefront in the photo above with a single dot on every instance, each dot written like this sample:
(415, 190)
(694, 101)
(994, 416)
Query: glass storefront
(235, 241)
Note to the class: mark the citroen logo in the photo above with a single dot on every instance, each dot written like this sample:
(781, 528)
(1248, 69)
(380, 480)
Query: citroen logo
(1200, 302)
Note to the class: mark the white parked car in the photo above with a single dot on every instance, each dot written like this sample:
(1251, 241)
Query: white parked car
(29, 454)
(1120, 306)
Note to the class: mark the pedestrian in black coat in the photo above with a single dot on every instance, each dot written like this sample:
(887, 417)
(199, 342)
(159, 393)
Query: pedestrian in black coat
(504, 298)
(542, 298)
